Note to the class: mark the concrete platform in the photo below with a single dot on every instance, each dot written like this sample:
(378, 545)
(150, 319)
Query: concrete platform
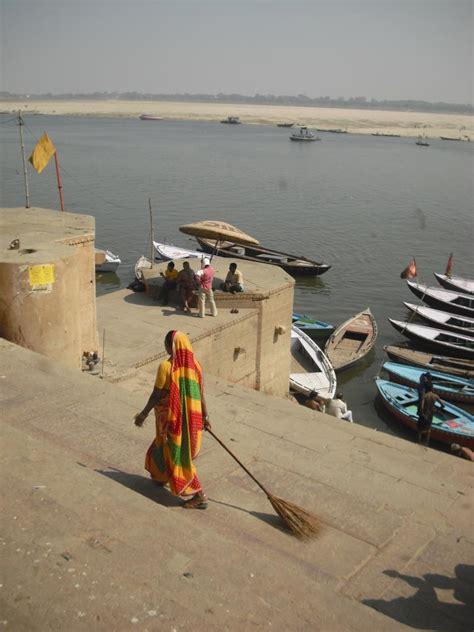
(89, 542)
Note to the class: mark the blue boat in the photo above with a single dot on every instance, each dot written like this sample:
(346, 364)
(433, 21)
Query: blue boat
(451, 425)
(449, 387)
(315, 329)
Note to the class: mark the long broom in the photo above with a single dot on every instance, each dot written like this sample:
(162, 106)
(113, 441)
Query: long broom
(299, 522)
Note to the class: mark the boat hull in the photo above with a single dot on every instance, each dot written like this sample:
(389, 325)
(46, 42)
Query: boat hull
(444, 320)
(315, 329)
(455, 284)
(352, 341)
(434, 297)
(419, 334)
(445, 364)
(449, 387)
(306, 267)
(311, 369)
(410, 420)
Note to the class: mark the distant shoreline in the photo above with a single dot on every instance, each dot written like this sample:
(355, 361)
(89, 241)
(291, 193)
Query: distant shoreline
(406, 124)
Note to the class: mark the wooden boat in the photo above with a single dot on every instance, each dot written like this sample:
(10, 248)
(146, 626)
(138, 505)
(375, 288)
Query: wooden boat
(352, 340)
(455, 283)
(285, 124)
(231, 120)
(447, 300)
(310, 367)
(337, 130)
(429, 361)
(315, 329)
(168, 252)
(444, 320)
(450, 387)
(455, 344)
(422, 141)
(451, 425)
(296, 266)
(385, 134)
(150, 117)
(106, 261)
(304, 135)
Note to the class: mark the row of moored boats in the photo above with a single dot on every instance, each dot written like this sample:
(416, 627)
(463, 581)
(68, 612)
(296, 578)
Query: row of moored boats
(441, 344)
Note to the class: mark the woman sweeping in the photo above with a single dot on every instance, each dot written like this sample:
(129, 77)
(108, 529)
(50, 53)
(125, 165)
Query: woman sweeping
(181, 415)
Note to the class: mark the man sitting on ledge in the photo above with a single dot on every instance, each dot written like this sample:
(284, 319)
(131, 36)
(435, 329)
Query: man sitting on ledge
(234, 281)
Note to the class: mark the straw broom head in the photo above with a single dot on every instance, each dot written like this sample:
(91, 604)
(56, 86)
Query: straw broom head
(301, 523)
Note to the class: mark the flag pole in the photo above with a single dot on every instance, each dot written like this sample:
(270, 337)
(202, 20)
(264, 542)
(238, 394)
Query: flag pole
(152, 245)
(25, 172)
(58, 176)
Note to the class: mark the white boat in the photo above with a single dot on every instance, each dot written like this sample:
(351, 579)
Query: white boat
(456, 344)
(168, 252)
(304, 135)
(447, 300)
(110, 261)
(310, 367)
(142, 264)
(455, 283)
(444, 320)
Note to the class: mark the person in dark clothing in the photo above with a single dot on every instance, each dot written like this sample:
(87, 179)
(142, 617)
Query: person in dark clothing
(427, 409)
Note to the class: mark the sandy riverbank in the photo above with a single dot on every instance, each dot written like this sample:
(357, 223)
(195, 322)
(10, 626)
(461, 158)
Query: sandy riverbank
(355, 121)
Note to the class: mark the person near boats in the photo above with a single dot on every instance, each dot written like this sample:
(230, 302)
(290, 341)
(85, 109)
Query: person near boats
(180, 416)
(205, 277)
(461, 451)
(315, 402)
(234, 281)
(170, 276)
(425, 416)
(337, 407)
(425, 380)
(186, 285)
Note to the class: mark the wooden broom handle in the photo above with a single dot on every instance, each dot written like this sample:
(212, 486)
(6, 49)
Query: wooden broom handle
(239, 462)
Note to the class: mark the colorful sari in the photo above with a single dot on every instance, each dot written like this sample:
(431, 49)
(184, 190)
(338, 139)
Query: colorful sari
(169, 459)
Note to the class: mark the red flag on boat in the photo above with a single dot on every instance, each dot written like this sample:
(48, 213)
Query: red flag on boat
(449, 266)
(410, 271)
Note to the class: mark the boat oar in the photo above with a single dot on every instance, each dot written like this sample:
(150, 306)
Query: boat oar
(299, 522)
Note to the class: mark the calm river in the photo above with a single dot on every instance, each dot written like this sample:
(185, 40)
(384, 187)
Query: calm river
(363, 204)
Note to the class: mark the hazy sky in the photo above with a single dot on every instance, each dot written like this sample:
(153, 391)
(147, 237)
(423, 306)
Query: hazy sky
(385, 49)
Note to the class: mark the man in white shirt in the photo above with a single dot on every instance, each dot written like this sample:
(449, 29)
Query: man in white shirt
(338, 408)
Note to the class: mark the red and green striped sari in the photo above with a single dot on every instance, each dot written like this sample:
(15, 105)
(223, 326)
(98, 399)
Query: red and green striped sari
(170, 459)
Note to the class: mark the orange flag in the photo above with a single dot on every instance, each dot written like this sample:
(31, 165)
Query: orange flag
(449, 266)
(410, 271)
(42, 153)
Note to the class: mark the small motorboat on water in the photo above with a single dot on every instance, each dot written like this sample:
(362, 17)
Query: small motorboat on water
(444, 320)
(450, 387)
(168, 252)
(150, 117)
(455, 283)
(429, 361)
(304, 134)
(315, 329)
(447, 300)
(310, 367)
(106, 261)
(455, 344)
(352, 340)
(450, 425)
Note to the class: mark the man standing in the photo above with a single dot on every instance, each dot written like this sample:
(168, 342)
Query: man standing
(204, 277)
(234, 281)
(427, 408)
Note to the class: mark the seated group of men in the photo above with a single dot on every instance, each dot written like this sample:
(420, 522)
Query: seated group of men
(186, 281)
(336, 407)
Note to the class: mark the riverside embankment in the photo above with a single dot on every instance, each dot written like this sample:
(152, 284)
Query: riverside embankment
(354, 121)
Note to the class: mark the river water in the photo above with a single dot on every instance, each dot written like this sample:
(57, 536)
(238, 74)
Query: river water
(366, 205)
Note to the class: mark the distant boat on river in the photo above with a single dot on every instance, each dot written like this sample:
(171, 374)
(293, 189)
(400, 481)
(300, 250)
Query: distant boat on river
(422, 141)
(386, 134)
(285, 124)
(150, 117)
(231, 120)
(304, 135)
